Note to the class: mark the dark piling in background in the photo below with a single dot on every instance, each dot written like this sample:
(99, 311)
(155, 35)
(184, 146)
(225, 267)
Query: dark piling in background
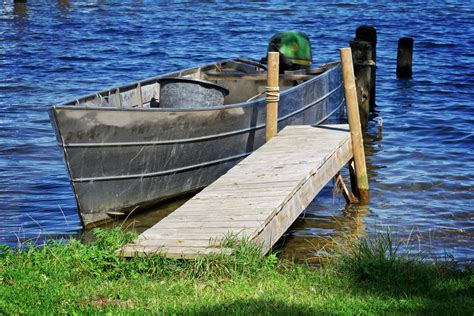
(368, 33)
(405, 58)
(20, 7)
(363, 49)
(362, 60)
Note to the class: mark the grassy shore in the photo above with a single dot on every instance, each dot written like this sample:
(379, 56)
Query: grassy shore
(368, 278)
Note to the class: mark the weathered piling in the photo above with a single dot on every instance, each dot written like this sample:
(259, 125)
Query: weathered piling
(363, 64)
(354, 125)
(273, 95)
(404, 58)
(366, 33)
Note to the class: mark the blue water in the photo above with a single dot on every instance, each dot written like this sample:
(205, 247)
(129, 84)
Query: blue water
(421, 171)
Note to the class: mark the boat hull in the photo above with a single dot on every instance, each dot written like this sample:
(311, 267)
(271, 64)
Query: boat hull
(124, 159)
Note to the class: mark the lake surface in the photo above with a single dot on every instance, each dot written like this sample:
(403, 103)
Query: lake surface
(421, 171)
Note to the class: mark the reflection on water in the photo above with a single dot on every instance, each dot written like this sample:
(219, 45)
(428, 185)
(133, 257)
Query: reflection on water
(142, 221)
(20, 9)
(323, 228)
(64, 5)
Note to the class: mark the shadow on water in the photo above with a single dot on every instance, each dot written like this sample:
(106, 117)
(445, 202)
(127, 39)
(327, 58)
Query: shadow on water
(139, 222)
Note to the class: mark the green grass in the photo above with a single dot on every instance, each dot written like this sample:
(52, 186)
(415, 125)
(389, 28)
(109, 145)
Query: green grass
(368, 277)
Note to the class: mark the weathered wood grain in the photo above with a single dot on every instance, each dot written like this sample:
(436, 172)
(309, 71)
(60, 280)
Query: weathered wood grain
(256, 200)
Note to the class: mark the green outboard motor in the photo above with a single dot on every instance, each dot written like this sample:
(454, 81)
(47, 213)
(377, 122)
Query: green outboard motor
(294, 48)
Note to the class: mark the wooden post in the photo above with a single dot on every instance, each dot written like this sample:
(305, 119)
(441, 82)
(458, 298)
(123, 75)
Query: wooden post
(273, 95)
(363, 65)
(404, 58)
(341, 186)
(368, 33)
(354, 125)
(352, 176)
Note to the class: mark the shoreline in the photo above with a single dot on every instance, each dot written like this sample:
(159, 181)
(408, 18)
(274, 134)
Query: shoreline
(367, 277)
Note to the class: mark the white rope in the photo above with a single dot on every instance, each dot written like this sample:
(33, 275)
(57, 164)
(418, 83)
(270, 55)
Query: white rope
(380, 122)
(273, 94)
(255, 96)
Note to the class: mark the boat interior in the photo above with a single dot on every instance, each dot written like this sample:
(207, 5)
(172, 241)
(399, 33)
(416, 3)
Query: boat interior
(245, 80)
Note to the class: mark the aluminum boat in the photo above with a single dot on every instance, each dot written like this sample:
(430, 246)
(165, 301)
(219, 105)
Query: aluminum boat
(125, 152)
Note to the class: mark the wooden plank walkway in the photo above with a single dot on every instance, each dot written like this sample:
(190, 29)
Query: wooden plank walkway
(257, 200)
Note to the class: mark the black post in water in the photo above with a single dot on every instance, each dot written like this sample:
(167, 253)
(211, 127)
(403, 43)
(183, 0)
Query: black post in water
(363, 64)
(405, 58)
(368, 33)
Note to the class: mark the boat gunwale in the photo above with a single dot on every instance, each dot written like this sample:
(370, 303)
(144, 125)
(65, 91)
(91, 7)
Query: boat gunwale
(154, 80)
(213, 136)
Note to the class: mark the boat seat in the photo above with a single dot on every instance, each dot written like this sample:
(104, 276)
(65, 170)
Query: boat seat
(261, 76)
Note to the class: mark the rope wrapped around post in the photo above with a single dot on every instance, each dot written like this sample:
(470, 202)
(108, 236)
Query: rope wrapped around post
(272, 94)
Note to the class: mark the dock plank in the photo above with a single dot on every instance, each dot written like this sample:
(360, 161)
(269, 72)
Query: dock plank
(258, 199)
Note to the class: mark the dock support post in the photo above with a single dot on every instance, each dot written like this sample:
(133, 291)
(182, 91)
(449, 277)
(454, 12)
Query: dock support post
(354, 125)
(341, 186)
(404, 58)
(352, 176)
(273, 95)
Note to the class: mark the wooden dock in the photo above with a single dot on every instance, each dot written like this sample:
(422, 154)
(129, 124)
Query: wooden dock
(257, 200)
